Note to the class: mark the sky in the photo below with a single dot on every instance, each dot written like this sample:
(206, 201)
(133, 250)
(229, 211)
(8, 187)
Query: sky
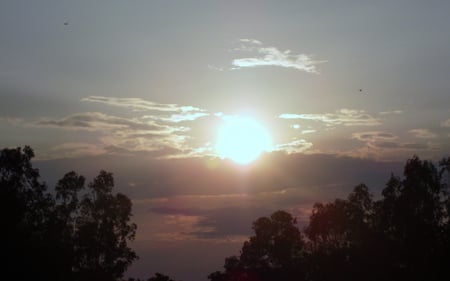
(211, 114)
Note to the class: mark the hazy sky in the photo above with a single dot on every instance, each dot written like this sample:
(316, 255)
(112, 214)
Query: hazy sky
(346, 90)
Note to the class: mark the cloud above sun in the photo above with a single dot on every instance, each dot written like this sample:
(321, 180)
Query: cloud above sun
(257, 55)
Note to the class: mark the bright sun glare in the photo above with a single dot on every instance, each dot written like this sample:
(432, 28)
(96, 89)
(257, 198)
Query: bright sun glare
(242, 140)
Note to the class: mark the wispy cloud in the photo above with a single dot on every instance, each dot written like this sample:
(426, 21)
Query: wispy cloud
(345, 117)
(386, 140)
(251, 41)
(94, 121)
(140, 104)
(75, 150)
(373, 136)
(11, 120)
(308, 131)
(272, 56)
(163, 130)
(423, 133)
(295, 146)
(176, 118)
(392, 112)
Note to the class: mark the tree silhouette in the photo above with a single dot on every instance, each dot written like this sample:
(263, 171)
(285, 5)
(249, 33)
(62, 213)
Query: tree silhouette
(82, 232)
(413, 220)
(25, 210)
(102, 230)
(273, 253)
(405, 235)
(160, 277)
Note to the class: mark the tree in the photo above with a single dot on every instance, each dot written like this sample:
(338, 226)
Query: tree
(405, 235)
(412, 218)
(25, 210)
(82, 231)
(273, 253)
(100, 227)
(160, 277)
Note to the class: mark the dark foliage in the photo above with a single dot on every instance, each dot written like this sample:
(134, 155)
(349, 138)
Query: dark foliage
(79, 234)
(405, 235)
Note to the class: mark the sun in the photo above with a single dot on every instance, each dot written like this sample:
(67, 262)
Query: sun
(242, 140)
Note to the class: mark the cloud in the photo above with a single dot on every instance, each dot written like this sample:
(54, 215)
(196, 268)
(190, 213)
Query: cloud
(176, 118)
(295, 146)
(271, 56)
(93, 121)
(308, 131)
(74, 150)
(11, 120)
(251, 41)
(140, 104)
(290, 116)
(385, 146)
(423, 133)
(164, 129)
(391, 112)
(345, 117)
(373, 136)
(180, 113)
(123, 135)
(446, 123)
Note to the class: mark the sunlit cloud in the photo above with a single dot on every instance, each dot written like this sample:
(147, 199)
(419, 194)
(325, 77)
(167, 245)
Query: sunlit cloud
(290, 116)
(271, 56)
(140, 104)
(423, 133)
(176, 118)
(123, 135)
(308, 131)
(345, 117)
(164, 129)
(94, 121)
(295, 146)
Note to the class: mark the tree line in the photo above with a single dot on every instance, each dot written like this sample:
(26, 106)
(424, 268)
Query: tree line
(404, 235)
(80, 231)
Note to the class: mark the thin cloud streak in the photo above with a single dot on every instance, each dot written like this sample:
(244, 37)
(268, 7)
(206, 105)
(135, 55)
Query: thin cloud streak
(140, 104)
(345, 117)
(423, 133)
(295, 146)
(272, 56)
(94, 121)
(392, 112)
